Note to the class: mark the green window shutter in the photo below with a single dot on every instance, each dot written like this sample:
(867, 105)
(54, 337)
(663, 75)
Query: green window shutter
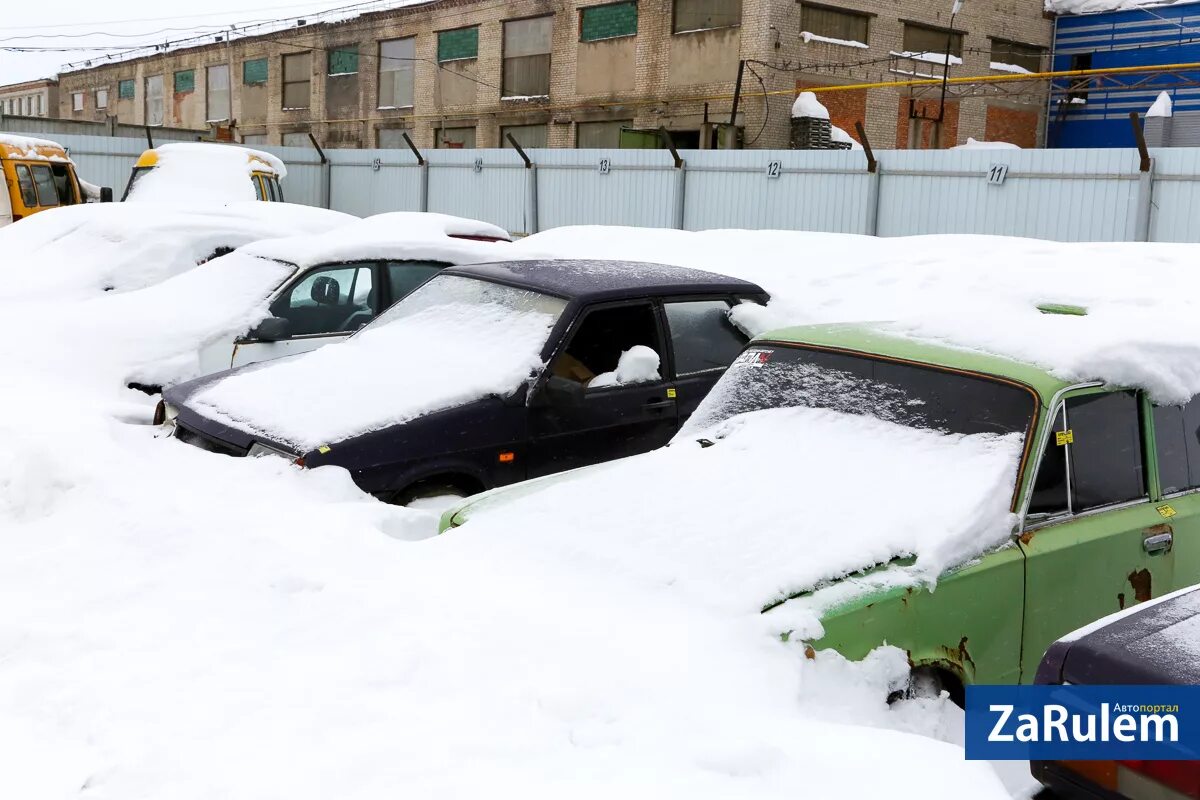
(608, 22)
(185, 81)
(254, 71)
(125, 90)
(343, 62)
(461, 43)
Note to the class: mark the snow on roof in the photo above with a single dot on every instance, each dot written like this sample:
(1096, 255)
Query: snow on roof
(807, 105)
(397, 234)
(188, 173)
(975, 144)
(20, 146)
(969, 291)
(1161, 107)
(86, 249)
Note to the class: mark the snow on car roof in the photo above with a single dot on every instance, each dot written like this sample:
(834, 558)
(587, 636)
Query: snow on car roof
(14, 145)
(186, 173)
(969, 291)
(590, 277)
(399, 234)
(85, 249)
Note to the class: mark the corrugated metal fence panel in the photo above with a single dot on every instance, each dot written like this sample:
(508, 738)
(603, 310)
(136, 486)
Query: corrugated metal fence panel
(1175, 213)
(359, 188)
(779, 189)
(1070, 195)
(638, 189)
(305, 174)
(495, 193)
(103, 160)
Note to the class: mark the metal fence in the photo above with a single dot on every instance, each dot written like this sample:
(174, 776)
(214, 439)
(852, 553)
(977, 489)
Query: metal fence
(1070, 195)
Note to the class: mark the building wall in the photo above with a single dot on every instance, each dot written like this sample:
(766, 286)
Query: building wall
(657, 78)
(1135, 38)
(30, 99)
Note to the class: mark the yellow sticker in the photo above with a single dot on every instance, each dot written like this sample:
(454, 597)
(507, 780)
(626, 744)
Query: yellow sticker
(1166, 512)
(671, 393)
(1064, 437)
(323, 449)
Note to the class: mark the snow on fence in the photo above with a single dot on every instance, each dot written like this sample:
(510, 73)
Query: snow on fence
(1068, 195)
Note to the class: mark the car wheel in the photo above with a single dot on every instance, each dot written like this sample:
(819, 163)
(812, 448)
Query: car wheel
(926, 682)
(433, 496)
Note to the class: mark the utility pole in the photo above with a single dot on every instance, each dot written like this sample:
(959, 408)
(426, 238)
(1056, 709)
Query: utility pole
(941, 120)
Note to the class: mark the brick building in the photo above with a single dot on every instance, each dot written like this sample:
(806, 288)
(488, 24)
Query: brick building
(30, 99)
(579, 73)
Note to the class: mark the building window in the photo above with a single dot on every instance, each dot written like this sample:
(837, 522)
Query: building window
(1014, 54)
(458, 44)
(834, 23)
(390, 138)
(607, 22)
(526, 135)
(297, 80)
(254, 138)
(396, 59)
(154, 100)
(601, 134)
(102, 98)
(344, 60)
(701, 15)
(40, 108)
(296, 139)
(254, 71)
(527, 57)
(217, 88)
(455, 138)
(25, 106)
(923, 39)
(185, 81)
(125, 89)
(77, 101)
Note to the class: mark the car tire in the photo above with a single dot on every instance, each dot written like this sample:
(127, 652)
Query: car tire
(926, 682)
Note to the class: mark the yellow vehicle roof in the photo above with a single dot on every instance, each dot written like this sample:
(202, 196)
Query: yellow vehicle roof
(149, 158)
(42, 149)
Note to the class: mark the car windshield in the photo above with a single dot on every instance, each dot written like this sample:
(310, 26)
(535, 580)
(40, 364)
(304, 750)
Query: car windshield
(447, 290)
(773, 376)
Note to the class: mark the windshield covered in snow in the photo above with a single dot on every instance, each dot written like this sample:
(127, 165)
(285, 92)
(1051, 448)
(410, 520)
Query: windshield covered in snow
(452, 290)
(915, 396)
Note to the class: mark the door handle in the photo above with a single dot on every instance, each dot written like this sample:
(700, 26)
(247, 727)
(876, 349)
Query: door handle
(1159, 542)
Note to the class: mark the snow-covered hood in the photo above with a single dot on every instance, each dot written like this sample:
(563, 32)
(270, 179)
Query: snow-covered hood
(399, 235)
(439, 358)
(84, 250)
(784, 499)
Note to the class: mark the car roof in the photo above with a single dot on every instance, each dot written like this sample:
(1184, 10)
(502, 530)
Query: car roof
(606, 280)
(875, 338)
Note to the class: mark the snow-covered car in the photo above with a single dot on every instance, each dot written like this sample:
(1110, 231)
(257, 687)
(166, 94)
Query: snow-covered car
(39, 175)
(1152, 643)
(341, 280)
(845, 471)
(191, 172)
(81, 250)
(484, 376)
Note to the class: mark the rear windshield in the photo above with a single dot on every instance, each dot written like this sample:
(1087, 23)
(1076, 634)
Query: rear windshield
(771, 376)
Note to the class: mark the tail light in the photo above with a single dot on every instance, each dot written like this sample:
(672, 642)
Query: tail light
(1142, 780)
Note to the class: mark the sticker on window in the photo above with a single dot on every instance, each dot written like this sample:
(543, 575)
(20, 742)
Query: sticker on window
(753, 357)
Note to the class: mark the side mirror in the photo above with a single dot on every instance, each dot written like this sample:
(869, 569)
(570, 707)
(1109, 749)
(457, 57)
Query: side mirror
(562, 392)
(271, 329)
(106, 194)
(325, 291)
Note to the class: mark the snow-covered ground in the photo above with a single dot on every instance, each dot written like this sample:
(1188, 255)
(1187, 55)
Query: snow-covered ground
(183, 624)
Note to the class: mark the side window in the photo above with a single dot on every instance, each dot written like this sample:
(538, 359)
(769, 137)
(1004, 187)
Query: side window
(404, 276)
(1177, 440)
(25, 181)
(338, 299)
(1093, 457)
(63, 184)
(47, 192)
(702, 336)
(273, 193)
(258, 187)
(595, 350)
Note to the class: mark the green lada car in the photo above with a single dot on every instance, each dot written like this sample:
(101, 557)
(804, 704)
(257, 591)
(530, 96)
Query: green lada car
(1104, 497)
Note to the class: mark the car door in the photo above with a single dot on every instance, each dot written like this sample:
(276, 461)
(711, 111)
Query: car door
(320, 306)
(1093, 541)
(704, 343)
(580, 414)
(1177, 444)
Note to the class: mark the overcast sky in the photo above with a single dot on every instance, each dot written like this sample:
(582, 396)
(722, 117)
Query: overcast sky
(123, 23)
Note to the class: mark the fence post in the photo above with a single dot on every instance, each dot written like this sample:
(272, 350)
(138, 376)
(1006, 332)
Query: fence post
(531, 196)
(873, 180)
(680, 199)
(326, 174)
(422, 175)
(1145, 206)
